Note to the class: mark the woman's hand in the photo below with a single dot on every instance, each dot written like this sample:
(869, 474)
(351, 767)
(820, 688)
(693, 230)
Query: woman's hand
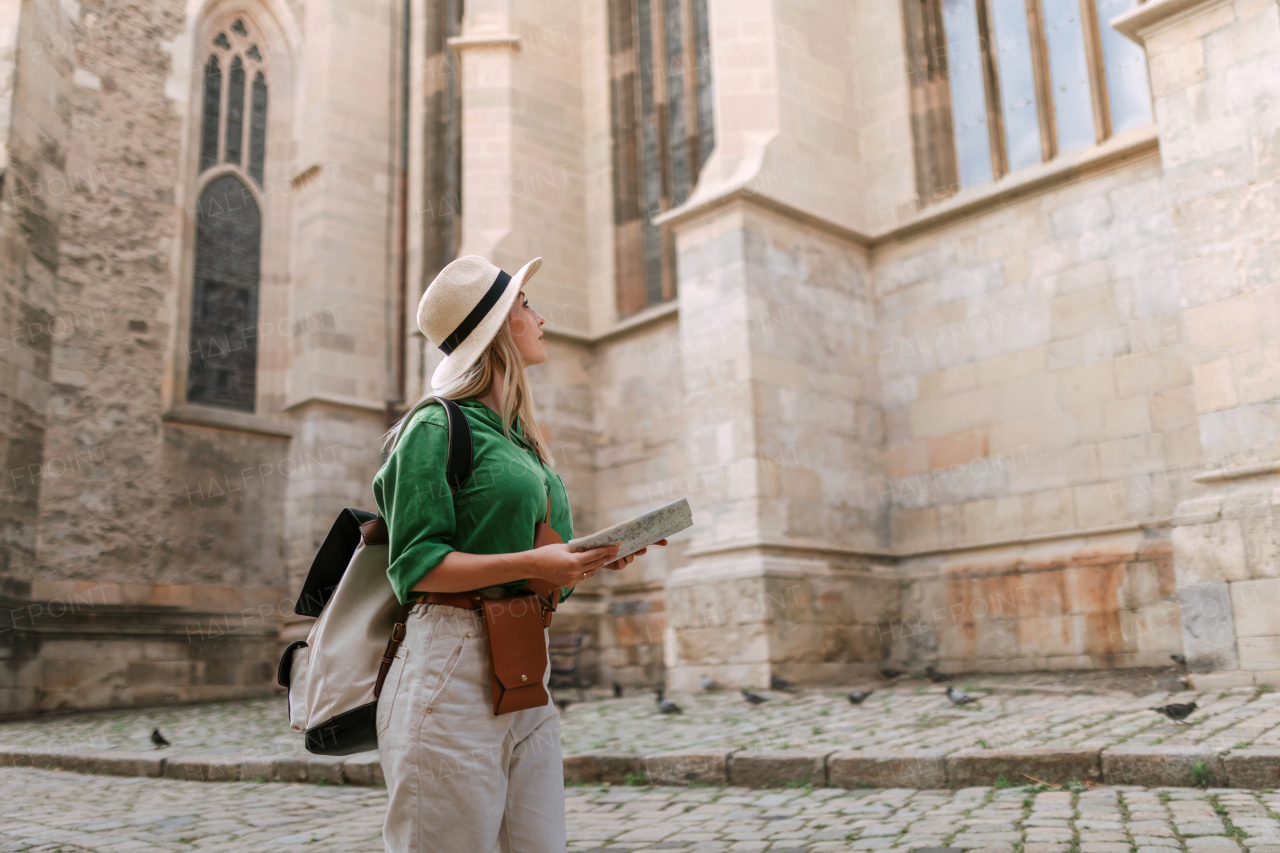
(564, 568)
(622, 564)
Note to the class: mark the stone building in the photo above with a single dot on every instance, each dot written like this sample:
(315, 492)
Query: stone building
(955, 320)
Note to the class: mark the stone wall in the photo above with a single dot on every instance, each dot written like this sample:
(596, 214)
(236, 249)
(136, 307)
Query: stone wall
(1214, 80)
(184, 510)
(1026, 427)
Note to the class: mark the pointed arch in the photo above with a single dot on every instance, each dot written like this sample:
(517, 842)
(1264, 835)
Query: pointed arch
(236, 248)
(223, 342)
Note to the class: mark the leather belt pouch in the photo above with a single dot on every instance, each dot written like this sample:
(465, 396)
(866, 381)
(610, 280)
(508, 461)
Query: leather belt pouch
(517, 647)
(517, 652)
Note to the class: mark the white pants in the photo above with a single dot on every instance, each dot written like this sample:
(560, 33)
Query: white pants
(460, 779)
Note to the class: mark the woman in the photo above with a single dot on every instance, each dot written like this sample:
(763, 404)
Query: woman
(462, 779)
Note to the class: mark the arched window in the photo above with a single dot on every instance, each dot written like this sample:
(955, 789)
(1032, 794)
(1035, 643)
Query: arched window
(223, 351)
(224, 296)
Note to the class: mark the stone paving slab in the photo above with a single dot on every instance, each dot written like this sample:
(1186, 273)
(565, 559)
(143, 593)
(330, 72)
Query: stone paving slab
(43, 810)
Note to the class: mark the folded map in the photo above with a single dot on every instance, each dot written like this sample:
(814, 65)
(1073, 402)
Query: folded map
(641, 531)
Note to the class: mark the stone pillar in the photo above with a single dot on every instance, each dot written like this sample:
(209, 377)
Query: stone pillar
(343, 271)
(1215, 79)
(779, 365)
(35, 89)
(782, 425)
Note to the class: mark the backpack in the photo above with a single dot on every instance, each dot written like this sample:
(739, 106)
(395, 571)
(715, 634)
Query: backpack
(334, 676)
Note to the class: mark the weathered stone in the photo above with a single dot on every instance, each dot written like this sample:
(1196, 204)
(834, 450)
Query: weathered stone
(291, 769)
(1256, 767)
(870, 769)
(258, 769)
(202, 768)
(326, 769)
(1162, 765)
(121, 763)
(704, 767)
(580, 769)
(1022, 766)
(775, 769)
(1208, 633)
(364, 769)
(616, 768)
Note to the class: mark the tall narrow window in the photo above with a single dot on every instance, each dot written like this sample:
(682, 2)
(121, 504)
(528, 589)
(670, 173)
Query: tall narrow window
(1128, 89)
(1064, 32)
(661, 99)
(235, 111)
(258, 128)
(1007, 84)
(212, 109)
(1015, 70)
(223, 351)
(968, 91)
(224, 299)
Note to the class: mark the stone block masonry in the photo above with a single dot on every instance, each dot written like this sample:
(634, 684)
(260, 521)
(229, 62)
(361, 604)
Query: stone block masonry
(1026, 425)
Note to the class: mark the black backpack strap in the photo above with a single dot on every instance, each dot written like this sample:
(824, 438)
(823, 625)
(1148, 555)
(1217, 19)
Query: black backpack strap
(457, 466)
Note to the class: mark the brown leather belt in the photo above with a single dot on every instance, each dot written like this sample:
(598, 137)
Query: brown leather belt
(465, 600)
(471, 601)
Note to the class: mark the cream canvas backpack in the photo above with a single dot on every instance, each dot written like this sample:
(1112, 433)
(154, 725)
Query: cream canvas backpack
(334, 676)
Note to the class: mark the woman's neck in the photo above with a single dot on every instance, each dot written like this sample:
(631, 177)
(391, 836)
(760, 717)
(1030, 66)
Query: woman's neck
(494, 398)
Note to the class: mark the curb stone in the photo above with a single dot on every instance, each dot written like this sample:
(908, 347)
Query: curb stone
(865, 769)
(1148, 766)
(1161, 766)
(683, 767)
(1253, 768)
(772, 769)
(972, 767)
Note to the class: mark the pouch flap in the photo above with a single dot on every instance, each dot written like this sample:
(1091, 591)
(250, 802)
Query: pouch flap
(516, 641)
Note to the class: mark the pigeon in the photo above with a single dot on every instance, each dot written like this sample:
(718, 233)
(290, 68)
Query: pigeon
(753, 698)
(707, 683)
(665, 705)
(1177, 712)
(958, 698)
(891, 674)
(1180, 660)
(776, 683)
(856, 697)
(158, 739)
(617, 690)
(934, 676)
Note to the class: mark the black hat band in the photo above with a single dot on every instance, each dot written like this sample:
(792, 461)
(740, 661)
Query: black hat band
(478, 313)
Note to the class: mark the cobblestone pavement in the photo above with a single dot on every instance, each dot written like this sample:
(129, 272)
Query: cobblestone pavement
(47, 811)
(1014, 712)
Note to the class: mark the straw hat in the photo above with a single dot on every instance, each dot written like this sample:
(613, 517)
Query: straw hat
(463, 309)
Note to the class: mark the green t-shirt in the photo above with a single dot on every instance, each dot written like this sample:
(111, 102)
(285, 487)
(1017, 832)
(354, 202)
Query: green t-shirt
(493, 513)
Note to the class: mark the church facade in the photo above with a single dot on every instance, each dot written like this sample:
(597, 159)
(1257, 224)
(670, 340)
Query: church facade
(955, 321)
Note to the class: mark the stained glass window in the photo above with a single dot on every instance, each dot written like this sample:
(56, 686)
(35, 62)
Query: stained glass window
(224, 300)
(212, 109)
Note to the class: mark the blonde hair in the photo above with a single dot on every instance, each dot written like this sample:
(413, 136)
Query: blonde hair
(501, 358)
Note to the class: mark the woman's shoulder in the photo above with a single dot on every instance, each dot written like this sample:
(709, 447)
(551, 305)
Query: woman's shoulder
(427, 425)
(432, 413)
